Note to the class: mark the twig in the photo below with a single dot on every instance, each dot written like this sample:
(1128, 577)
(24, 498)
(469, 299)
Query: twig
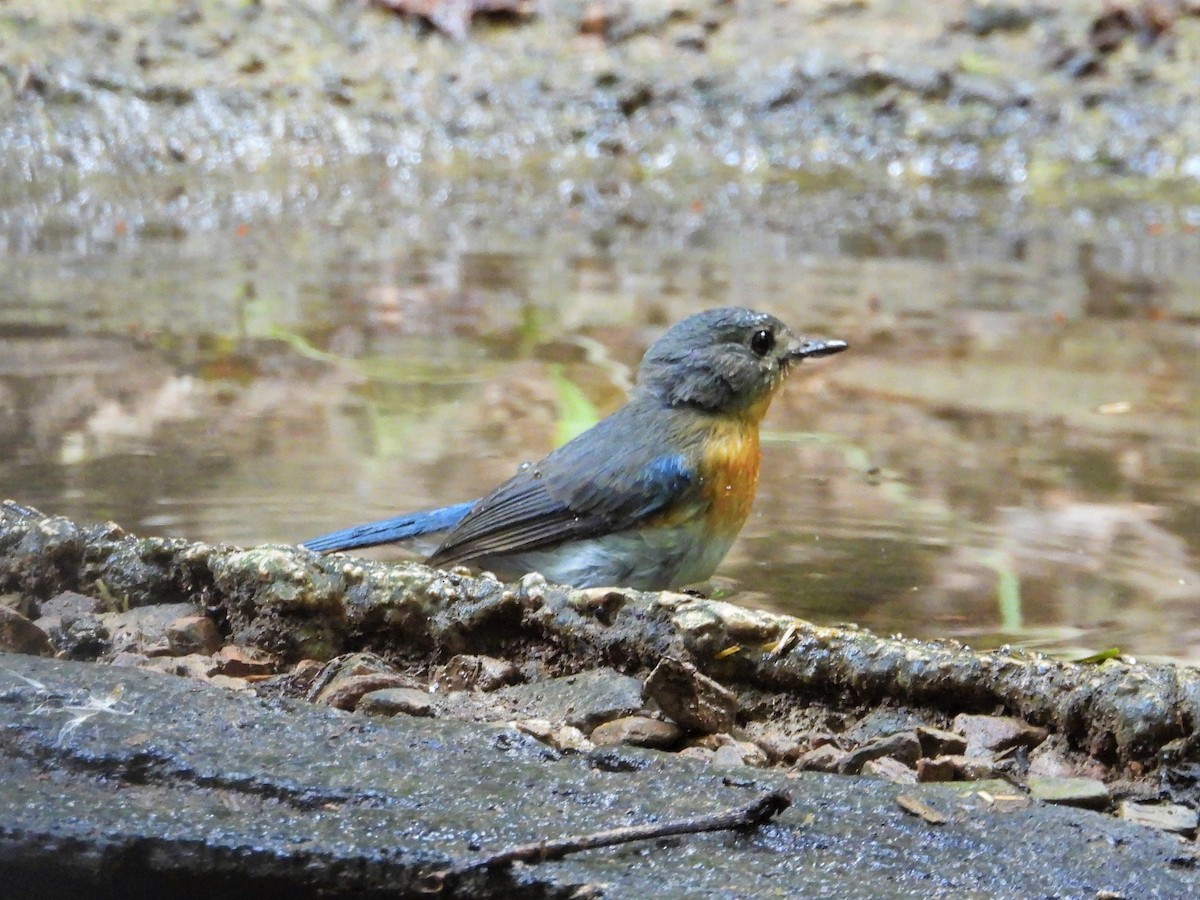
(761, 809)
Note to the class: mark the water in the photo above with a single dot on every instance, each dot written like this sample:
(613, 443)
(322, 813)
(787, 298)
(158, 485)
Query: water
(1008, 453)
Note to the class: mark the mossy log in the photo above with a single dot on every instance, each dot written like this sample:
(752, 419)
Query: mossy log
(297, 604)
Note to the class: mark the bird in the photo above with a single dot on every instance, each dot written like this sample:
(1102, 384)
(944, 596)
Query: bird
(649, 498)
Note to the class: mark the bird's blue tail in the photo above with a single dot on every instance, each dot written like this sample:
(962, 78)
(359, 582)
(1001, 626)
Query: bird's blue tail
(388, 531)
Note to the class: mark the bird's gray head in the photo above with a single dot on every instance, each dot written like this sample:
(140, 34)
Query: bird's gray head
(728, 360)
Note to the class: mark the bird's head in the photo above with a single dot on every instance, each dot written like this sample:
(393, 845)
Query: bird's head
(728, 360)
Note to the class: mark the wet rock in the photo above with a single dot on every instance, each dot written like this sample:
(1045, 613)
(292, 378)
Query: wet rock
(779, 746)
(229, 682)
(346, 812)
(903, 746)
(938, 742)
(700, 754)
(566, 738)
(939, 769)
(129, 659)
(193, 634)
(693, 700)
(1170, 817)
(70, 604)
(395, 701)
(346, 692)
(81, 637)
(1087, 793)
(467, 672)
(1053, 759)
(583, 700)
(242, 662)
(971, 768)
(343, 681)
(144, 629)
(740, 753)
(637, 731)
(987, 735)
(881, 723)
(890, 768)
(19, 635)
(826, 758)
(191, 665)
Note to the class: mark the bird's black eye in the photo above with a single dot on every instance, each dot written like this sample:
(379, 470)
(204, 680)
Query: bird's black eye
(762, 342)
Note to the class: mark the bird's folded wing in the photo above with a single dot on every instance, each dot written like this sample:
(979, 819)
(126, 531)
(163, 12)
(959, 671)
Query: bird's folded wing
(573, 495)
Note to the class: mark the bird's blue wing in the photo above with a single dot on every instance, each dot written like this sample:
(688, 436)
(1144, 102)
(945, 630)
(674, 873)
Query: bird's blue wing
(609, 479)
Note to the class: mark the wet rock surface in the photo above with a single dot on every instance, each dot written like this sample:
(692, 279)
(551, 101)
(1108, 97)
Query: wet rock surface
(148, 783)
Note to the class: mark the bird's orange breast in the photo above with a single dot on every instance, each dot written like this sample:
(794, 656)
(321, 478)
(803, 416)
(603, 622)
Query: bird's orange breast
(729, 468)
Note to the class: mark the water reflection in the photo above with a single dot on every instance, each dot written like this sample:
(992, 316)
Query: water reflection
(1009, 453)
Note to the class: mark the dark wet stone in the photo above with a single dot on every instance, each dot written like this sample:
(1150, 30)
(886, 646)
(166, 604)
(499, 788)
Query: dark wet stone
(81, 636)
(19, 635)
(903, 746)
(233, 792)
(396, 701)
(637, 731)
(691, 699)
(583, 700)
(1087, 793)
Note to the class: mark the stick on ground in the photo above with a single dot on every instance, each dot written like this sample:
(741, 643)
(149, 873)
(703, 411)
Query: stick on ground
(760, 810)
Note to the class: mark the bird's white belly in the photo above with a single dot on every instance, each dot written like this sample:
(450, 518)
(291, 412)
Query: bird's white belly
(653, 559)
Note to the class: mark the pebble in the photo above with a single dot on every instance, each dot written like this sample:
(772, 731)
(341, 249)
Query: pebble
(469, 672)
(1171, 817)
(19, 635)
(690, 698)
(941, 768)
(740, 753)
(938, 742)
(396, 701)
(990, 734)
(891, 769)
(903, 745)
(1087, 793)
(826, 758)
(584, 700)
(193, 634)
(637, 731)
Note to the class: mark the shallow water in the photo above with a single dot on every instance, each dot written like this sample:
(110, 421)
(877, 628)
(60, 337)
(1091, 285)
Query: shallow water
(1008, 454)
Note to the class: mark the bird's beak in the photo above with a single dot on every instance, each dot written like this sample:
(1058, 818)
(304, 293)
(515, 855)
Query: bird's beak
(811, 348)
